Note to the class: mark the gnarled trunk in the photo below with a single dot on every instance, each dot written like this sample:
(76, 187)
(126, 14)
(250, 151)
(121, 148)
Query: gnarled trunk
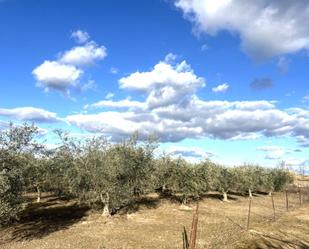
(105, 202)
(224, 196)
(250, 193)
(163, 188)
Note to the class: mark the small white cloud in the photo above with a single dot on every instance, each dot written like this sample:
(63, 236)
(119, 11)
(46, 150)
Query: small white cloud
(191, 154)
(31, 114)
(90, 85)
(305, 99)
(221, 88)
(170, 58)
(80, 36)
(52, 75)
(109, 95)
(163, 74)
(83, 55)
(114, 70)
(204, 47)
(65, 73)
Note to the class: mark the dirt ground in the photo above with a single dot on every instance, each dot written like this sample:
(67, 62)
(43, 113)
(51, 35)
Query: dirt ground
(158, 223)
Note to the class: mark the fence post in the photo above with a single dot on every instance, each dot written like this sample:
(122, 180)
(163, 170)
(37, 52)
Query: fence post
(194, 229)
(286, 200)
(249, 214)
(273, 204)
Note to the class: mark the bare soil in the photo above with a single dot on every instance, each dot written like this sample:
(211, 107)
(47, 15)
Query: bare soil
(158, 223)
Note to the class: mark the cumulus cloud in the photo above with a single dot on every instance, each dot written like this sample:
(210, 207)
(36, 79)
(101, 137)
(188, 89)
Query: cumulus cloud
(52, 75)
(261, 83)
(267, 28)
(31, 114)
(163, 74)
(80, 36)
(84, 55)
(66, 72)
(172, 109)
(221, 88)
(165, 83)
(189, 151)
(192, 154)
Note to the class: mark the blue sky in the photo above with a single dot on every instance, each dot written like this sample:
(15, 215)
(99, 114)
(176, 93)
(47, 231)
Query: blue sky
(232, 87)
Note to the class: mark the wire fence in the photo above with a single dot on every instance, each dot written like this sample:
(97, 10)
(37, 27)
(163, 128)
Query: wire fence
(257, 212)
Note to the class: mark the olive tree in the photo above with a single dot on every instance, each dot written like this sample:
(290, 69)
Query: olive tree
(112, 174)
(226, 180)
(17, 145)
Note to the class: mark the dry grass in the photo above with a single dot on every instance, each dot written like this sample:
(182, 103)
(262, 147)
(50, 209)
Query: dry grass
(158, 223)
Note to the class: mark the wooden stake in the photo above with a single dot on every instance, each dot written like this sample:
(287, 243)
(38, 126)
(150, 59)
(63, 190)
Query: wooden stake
(273, 204)
(194, 229)
(286, 200)
(249, 214)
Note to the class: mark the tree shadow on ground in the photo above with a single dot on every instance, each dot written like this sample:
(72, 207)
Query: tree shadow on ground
(218, 196)
(138, 203)
(42, 219)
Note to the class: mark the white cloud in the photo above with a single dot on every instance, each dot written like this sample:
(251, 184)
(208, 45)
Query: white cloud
(52, 75)
(204, 47)
(266, 28)
(162, 75)
(87, 54)
(165, 84)
(221, 88)
(170, 58)
(31, 114)
(125, 103)
(65, 73)
(191, 154)
(171, 109)
(305, 98)
(80, 36)
(114, 70)
(273, 152)
(89, 85)
(109, 95)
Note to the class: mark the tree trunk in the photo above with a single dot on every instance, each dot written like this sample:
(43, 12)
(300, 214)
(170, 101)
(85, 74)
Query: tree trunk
(250, 193)
(39, 194)
(105, 201)
(269, 193)
(224, 196)
(163, 188)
